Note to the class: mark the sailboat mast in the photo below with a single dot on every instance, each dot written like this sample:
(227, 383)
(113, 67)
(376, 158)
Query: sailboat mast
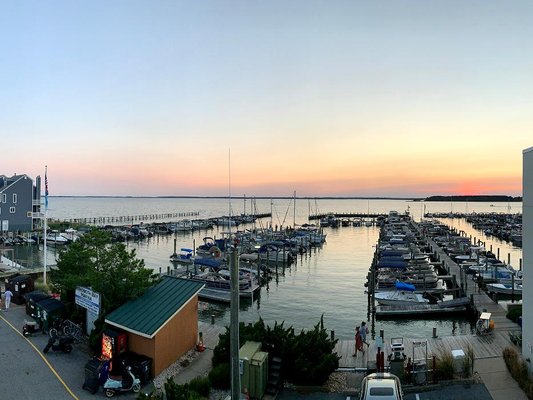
(294, 214)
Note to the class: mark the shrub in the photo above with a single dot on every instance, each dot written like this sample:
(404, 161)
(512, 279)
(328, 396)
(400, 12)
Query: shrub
(444, 366)
(174, 391)
(468, 362)
(308, 358)
(514, 312)
(200, 385)
(519, 370)
(220, 376)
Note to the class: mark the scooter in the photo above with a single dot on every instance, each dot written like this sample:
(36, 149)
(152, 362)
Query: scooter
(30, 327)
(64, 345)
(128, 382)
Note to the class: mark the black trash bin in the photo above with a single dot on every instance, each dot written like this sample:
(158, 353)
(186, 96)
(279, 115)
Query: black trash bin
(141, 365)
(32, 298)
(47, 311)
(96, 372)
(19, 286)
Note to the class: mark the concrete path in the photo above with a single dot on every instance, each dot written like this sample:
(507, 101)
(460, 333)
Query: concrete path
(498, 380)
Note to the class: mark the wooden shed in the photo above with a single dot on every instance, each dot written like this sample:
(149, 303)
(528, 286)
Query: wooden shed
(163, 323)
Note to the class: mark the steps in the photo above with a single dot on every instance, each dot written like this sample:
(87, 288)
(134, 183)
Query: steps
(274, 377)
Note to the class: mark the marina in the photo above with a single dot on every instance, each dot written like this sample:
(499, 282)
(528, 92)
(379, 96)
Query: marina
(327, 279)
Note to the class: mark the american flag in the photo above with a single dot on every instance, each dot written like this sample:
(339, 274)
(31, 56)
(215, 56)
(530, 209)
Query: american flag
(45, 188)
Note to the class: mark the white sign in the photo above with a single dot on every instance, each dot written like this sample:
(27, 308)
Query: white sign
(88, 299)
(36, 215)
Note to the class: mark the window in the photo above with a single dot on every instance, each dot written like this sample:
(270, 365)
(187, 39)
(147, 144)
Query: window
(4, 198)
(12, 210)
(14, 198)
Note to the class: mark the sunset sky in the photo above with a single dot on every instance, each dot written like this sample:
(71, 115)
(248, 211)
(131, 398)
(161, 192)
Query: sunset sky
(345, 98)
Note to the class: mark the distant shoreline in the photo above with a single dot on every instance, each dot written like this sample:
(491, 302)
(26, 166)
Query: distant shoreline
(476, 198)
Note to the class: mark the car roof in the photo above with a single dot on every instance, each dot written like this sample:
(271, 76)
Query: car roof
(382, 386)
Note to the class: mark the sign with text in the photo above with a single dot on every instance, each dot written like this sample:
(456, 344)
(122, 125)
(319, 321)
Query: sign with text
(88, 299)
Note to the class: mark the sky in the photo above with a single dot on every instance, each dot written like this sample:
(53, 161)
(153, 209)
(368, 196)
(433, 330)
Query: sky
(264, 98)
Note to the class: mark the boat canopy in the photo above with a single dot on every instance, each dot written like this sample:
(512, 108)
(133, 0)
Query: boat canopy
(404, 286)
(392, 264)
(392, 253)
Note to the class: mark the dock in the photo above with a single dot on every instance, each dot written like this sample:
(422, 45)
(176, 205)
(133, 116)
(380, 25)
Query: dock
(488, 346)
(446, 307)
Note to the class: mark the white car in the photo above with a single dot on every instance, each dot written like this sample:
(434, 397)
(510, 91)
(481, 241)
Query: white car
(381, 386)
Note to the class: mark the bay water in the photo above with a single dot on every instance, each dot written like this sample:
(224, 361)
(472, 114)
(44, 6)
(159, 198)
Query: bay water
(328, 280)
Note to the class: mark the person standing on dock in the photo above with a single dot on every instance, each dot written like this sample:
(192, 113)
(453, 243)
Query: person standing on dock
(358, 342)
(364, 332)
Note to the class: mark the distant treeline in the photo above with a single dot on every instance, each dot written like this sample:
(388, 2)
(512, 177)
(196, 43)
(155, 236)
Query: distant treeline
(485, 198)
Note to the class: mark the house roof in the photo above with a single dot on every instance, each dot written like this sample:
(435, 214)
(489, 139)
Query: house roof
(146, 315)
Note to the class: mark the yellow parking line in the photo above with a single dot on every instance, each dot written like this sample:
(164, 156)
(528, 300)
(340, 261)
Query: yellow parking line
(43, 357)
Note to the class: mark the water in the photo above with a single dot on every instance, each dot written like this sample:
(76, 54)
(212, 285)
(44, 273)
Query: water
(328, 281)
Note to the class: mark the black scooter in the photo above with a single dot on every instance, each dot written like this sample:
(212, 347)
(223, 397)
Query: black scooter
(64, 345)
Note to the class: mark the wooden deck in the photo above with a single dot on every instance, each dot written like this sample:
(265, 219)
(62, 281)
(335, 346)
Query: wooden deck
(210, 333)
(488, 346)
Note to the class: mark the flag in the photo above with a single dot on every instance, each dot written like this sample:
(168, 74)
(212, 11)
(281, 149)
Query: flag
(45, 188)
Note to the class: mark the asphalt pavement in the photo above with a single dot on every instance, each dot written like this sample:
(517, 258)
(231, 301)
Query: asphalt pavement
(28, 373)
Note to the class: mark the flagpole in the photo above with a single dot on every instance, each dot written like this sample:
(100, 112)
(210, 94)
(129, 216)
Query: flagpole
(45, 220)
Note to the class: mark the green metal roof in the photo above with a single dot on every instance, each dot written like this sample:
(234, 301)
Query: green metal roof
(146, 315)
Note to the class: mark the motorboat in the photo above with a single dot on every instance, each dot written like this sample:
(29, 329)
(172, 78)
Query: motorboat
(185, 256)
(403, 295)
(505, 288)
(56, 238)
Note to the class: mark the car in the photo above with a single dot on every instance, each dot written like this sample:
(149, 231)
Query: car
(381, 386)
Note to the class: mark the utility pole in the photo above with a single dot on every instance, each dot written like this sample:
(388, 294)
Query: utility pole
(234, 324)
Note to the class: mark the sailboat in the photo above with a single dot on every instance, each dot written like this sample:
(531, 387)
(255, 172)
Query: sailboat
(368, 222)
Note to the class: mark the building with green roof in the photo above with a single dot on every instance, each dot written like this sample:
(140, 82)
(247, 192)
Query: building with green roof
(163, 323)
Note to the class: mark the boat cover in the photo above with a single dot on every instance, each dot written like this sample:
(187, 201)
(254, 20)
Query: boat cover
(208, 262)
(405, 286)
(392, 264)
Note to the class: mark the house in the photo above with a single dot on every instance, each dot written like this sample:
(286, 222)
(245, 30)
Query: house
(163, 323)
(527, 252)
(20, 203)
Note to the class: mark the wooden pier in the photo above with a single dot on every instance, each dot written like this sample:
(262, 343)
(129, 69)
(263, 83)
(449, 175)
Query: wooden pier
(487, 346)
(347, 215)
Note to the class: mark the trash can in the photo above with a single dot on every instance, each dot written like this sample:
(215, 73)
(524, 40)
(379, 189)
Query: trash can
(141, 365)
(92, 376)
(47, 311)
(32, 298)
(19, 286)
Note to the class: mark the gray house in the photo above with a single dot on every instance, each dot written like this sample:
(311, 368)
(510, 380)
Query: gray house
(20, 203)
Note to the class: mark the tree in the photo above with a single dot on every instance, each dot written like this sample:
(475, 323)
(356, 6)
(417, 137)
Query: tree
(108, 268)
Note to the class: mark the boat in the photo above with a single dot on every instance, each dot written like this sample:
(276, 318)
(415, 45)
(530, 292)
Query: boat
(185, 256)
(56, 238)
(504, 288)
(403, 295)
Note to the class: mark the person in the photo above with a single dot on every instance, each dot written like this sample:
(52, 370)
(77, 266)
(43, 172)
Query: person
(358, 342)
(7, 298)
(364, 332)
(408, 370)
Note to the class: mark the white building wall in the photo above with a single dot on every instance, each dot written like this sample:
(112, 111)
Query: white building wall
(527, 253)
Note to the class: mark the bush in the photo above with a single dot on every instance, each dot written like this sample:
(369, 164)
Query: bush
(445, 370)
(200, 385)
(174, 391)
(468, 362)
(514, 312)
(308, 358)
(220, 376)
(519, 370)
